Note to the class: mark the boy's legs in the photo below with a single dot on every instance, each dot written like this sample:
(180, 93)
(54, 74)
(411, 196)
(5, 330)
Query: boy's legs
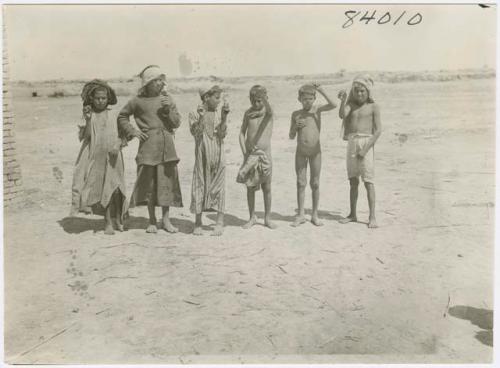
(198, 225)
(266, 190)
(219, 226)
(301, 171)
(353, 196)
(315, 162)
(370, 191)
(251, 208)
(167, 225)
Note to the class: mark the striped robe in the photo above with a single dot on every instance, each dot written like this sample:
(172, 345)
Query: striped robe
(209, 174)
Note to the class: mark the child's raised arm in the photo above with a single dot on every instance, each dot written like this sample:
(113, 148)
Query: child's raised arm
(169, 113)
(195, 125)
(330, 104)
(344, 109)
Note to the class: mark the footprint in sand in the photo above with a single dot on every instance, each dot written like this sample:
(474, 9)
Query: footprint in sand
(78, 286)
(58, 175)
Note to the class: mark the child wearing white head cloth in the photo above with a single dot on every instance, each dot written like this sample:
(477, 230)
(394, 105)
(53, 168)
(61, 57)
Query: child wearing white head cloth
(156, 117)
(362, 127)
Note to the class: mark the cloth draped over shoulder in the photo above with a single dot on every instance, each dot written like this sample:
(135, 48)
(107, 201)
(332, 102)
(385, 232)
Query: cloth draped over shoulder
(97, 174)
(208, 184)
(255, 169)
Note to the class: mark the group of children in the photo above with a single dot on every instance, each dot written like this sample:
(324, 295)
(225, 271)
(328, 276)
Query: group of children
(99, 185)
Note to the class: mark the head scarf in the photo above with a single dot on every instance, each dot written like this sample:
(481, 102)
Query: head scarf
(90, 87)
(367, 82)
(258, 91)
(307, 89)
(204, 92)
(149, 74)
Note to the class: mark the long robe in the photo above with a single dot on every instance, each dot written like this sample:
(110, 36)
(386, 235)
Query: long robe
(209, 174)
(96, 175)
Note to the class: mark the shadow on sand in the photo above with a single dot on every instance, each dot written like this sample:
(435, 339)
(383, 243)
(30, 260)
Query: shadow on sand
(482, 318)
(231, 220)
(77, 225)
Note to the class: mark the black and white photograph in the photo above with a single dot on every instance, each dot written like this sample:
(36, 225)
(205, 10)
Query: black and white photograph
(259, 183)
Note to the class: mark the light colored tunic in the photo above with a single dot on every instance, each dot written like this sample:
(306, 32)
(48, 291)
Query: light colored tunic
(209, 174)
(360, 167)
(96, 175)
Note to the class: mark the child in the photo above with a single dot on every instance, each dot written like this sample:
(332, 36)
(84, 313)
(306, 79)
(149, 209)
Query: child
(362, 127)
(156, 116)
(306, 125)
(255, 143)
(98, 182)
(208, 127)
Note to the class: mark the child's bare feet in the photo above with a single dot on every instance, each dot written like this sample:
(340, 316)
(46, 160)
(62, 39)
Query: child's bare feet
(218, 230)
(168, 227)
(108, 230)
(119, 225)
(270, 224)
(250, 223)
(152, 229)
(372, 223)
(349, 218)
(316, 221)
(198, 231)
(299, 220)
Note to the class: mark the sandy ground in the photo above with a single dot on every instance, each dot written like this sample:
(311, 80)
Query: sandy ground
(418, 289)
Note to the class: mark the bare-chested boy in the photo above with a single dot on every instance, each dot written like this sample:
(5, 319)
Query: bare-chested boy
(361, 122)
(306, 125)
(255, 143)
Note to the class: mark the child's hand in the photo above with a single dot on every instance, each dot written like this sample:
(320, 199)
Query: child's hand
(317, 87)
(225, 108)
(87, 112)
(166, 101)
(113, 153)
(140, 135)
(361, 154)
(342, 95)
(201, 110)
(300, 122)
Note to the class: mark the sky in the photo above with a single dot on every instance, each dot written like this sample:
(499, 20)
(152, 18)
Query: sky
(109, 41)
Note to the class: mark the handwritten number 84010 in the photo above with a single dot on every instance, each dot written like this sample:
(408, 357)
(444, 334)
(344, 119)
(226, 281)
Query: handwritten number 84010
(387, 17)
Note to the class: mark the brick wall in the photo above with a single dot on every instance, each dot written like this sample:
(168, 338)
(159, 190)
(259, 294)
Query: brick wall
(12, 184)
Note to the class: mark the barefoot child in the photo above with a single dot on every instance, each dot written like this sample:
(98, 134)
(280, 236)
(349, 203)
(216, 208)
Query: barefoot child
(157, 117)
(255, 143)
(306, 125)
(208, 127)
(98, 182)
(362, 126)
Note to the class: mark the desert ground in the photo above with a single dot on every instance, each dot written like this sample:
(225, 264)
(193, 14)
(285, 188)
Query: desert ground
(417, 289)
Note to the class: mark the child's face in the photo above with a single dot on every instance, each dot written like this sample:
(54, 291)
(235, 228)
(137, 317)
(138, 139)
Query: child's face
(100, 100)
(213, 101)
(154, 87)
(360, 93)
(307, 101)
(257, 103)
